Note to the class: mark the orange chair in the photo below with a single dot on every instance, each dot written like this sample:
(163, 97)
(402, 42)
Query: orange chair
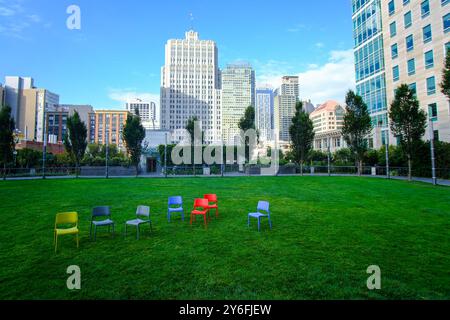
(212, 203)
(200, 208)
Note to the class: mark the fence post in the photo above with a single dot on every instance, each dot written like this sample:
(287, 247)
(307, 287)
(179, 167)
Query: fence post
(329, 157)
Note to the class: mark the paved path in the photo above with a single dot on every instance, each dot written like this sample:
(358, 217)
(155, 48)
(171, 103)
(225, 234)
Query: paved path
(441, 182)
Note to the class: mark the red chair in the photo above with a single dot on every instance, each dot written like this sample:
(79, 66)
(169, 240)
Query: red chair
(212, 203)
(200, 208)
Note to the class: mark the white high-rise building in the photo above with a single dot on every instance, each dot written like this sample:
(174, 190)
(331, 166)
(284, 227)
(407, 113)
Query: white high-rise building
(286, 98)
(264, 113)
(147, 112)
(14, 87)
(190, 87)
(238, 93)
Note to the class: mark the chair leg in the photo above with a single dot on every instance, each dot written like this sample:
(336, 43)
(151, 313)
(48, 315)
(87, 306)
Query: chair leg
(248, 223)
(206, 222)
(270, 223)
(217, 213)
(259, 224)
(151, 226)
(113, 230)
(137, 231)
(95, 233)
(168, 216)
(90, 231)
(191, 219)
(182, 216)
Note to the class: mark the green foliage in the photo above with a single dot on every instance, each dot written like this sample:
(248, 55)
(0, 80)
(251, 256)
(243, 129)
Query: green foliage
(445, 85)
(96, 156)
(408, 122)
(133, 135)
(357, 126)
(28, 158)
(192, 126)
(317, 157)
(248, 122)
(7, 143)
(344, 157)
(75, 140)
(302, 134)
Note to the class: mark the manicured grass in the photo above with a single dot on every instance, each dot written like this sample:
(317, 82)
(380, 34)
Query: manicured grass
(327, 231)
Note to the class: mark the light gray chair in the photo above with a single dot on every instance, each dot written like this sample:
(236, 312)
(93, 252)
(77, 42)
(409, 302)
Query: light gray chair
(142, 217)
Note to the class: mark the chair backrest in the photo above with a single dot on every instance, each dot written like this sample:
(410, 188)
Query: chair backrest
(201, 203)
(66, 218)
(175, 201)
(101, 212)
(210, 197)
(264, 206)
(143, 211)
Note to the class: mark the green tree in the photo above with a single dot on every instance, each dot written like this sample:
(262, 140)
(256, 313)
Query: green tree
(7, 143)
(75, 140)
(445, 85)
(248, 122)
(302, 135)
(408, 122)
(133, 135)
(193, 125)
(357, 126)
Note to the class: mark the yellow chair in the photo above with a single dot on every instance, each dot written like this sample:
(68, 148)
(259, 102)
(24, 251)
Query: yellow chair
(67, 218)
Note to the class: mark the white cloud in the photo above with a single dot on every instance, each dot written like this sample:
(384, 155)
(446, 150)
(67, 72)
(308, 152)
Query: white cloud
(319, 45)
(15, 19)
(318, 83)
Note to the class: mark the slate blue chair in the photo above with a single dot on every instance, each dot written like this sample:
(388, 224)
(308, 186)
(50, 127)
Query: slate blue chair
(101, 217)
(175, 205)
(142, 217)
(263, 206)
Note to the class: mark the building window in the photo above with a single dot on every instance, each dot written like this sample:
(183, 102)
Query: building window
(394, 51)
(413, 88)
(446, 21)
(411, 67)
(393, 29)
(405, 2)
(425, 8)
(431, 86)
(429, 59)
(427, 34)
(409, 43)
(391, 6)
(432, 112)
(396, 73)
(408, 19)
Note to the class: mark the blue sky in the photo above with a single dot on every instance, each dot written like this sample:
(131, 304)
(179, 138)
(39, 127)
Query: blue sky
(119, 51)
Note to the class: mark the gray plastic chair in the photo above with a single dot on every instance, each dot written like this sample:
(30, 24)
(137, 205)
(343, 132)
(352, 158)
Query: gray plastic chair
(97, 213)
(143, 217)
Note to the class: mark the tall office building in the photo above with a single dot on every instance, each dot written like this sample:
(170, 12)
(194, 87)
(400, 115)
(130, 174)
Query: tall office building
(2, 96)
(106, 126)
(190, 87)
(285, 100)
(14, 87)
(265, 113)
(238, 93)
(415, 48)
(57, 120)
(397, 42)
(369, 60)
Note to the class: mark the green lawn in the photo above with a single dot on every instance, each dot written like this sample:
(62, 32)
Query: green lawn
(327, 231)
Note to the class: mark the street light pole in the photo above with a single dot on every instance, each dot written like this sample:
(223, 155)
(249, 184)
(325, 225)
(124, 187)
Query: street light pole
(223, 158)
(44, 152)
(433, 158)
(329, 156)
(388, 174)
(165, 157)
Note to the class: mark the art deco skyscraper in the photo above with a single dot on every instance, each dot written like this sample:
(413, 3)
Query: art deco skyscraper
(190, 87)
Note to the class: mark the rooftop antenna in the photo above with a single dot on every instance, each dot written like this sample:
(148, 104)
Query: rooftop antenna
(191, 16)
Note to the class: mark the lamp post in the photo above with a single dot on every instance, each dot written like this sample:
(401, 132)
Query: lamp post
(106, 156)
(433, 157)
(386, 144)
(329, 156)
(44, 151)
(165, 157)
(223, 158)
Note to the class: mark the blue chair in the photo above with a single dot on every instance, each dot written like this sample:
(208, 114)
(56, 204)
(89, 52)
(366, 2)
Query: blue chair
(142, 217)
(175, 205)
(263, 206)
(101, 212)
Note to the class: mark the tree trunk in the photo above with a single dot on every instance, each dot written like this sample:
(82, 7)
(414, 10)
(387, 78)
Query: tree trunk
(409, 168)
(4, 171)
(301, 167)
(360, 167)
(137, 170)
(76, 170)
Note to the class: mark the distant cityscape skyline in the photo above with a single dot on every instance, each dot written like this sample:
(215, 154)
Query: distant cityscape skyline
(86, 68)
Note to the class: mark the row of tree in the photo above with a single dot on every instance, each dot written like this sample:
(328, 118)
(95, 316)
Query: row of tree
(75, 143)
(407, 122)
